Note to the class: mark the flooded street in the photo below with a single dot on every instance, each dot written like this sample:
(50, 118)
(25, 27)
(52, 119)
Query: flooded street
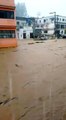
(33, 81)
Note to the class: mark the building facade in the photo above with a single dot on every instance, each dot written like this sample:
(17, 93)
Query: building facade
(7, 24)
(51, 25)
(24, 27)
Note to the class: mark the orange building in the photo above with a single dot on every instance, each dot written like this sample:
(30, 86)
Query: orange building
(7, 24)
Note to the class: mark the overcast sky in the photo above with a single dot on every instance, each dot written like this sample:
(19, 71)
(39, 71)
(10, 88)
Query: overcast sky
(44, 7)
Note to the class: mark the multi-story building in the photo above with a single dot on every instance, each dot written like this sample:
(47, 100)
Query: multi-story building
(24, 27)
(7, 24)
(51, 25)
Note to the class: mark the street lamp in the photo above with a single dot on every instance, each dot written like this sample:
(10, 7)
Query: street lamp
(54, 20)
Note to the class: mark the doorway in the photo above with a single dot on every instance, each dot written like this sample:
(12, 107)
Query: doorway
(24, 35)
(31, 35)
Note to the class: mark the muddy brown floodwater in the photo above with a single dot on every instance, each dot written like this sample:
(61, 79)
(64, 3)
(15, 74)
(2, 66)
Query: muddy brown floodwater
(33, 81)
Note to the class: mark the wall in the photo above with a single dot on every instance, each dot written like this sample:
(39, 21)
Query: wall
(50, 32)
(7, 2)
(21, 34)
(10, 42)
(7, 23)
(26, 30)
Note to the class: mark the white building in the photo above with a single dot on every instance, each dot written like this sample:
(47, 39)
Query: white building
(24, 28)
(25, 33)
(52, 24)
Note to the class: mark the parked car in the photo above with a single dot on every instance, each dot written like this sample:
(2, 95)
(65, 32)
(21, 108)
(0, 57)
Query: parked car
(44, 37)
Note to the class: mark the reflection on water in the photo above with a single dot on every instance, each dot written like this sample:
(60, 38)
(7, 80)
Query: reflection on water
(33, 81)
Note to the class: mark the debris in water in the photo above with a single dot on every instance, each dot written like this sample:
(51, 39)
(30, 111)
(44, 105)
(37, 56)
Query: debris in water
(31, 43)
(15, 51)
(40, 42)
(7, 101)
(16, 65)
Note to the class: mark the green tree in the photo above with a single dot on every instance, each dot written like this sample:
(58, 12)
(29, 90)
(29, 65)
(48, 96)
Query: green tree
(21, 10)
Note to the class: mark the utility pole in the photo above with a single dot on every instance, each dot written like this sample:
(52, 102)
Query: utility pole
(55, 24)
(55, 29)
(34, 28)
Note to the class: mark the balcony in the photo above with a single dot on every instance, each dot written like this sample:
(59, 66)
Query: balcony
(7, 23)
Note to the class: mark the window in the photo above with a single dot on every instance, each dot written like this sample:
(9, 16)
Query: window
(65, 31)
(41, 25)
(40, 21)
(36, 21)
(6, 14)
(61, 32)
(37, 25)
(57, 18)
(52, 19)
(44, 20)
(62, 26)
(63, 20)
(17, 29)
(45, 31)
(65, 26)
(17, 22)
(7, 34)
(21, 27)
(58, 26)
